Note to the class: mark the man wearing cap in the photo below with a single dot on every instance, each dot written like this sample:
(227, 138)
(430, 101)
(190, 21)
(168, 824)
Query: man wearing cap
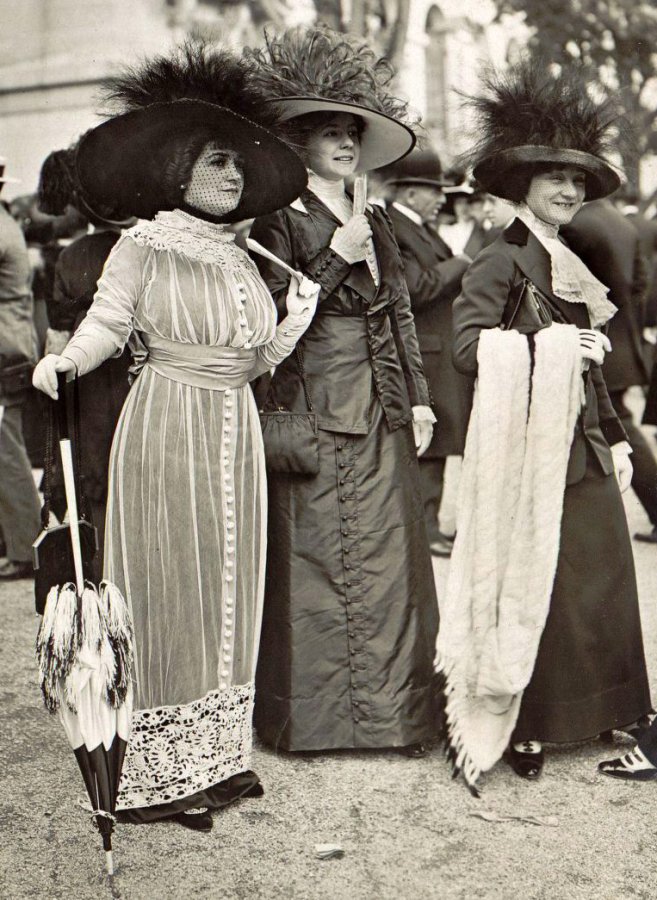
(19, 501)
(433, 275)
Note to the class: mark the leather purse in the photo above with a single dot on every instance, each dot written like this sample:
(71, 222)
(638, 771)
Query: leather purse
(291, 439)
(527, 310)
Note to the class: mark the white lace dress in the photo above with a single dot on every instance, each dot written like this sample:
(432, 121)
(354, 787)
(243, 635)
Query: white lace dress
(186, 519)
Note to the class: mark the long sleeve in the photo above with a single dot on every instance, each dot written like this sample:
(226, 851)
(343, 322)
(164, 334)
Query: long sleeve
(109, 322)
(610, 424)
(429, 285)
(484, 294)
(282, 344)
(405, 336)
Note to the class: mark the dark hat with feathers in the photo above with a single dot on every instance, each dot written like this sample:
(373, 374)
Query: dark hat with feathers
(309, 70)
(526, 116)
(196, 89)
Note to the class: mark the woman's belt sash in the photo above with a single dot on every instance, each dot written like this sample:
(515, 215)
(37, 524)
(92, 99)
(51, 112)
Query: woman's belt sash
(199, 365)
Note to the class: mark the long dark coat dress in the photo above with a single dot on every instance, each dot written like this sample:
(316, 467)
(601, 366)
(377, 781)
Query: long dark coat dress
(590, 673)
(350, 617)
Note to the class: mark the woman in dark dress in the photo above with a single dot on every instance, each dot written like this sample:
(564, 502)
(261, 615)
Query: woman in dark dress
(589, 672)
(77, 270)
(350, 613)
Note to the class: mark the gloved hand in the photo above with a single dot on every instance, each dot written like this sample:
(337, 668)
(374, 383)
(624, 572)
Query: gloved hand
(423, 422)
(44, 377)
(350, 240)
(302, 297)
(594, 345)
(623, 467)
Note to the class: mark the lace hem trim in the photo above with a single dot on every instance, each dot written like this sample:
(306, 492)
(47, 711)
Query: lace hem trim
(178, 232)
(175, 751)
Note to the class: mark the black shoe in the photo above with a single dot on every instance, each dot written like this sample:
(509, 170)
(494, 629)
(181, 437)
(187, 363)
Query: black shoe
(649, 538)
(255, 790)
(196, 819)
(12, 570)
(631, 767)
(414, 751)
(526, 764)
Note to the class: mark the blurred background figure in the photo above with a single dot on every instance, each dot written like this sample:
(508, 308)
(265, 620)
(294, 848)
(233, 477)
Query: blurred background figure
(610, 246)
(497, 213)
(433, 275)
(465, 233)
(19, 501)
(79, 264)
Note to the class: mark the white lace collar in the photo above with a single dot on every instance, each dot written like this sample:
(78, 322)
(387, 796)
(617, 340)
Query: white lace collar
(179, 232)
(572, 280)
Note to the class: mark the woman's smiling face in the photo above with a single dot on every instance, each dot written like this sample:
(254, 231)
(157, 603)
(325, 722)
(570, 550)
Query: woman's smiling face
(333, 149)
(556, 195)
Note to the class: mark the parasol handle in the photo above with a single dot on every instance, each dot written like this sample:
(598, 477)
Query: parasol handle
(109, 862)
(72, 505)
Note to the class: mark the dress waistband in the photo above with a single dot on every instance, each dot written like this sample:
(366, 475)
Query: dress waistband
(199, 365)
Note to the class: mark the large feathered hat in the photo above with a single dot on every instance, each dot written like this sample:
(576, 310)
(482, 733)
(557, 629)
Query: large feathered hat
(196, 89)
(307, 70)
(526, 116)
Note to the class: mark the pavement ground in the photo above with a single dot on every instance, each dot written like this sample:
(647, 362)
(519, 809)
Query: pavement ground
(407, 830)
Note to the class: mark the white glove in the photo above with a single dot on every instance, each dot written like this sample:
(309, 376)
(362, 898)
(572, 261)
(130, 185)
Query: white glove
(620, 454)
(350, 240)
(302, 297)
(423, 422)
(44, 377)
(594, 345)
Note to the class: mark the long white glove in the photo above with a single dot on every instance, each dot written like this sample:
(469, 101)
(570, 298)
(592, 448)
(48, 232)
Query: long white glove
(350, 240)
(623, 467)
(594, 345)
(423, 422)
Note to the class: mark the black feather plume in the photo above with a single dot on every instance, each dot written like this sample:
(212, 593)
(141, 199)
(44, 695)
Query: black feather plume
(326, 65)
(57, 183)
(526, 105)
(194, 71)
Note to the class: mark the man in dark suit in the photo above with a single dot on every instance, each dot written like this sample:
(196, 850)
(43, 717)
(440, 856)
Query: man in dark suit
(610, 246)
(433, 275)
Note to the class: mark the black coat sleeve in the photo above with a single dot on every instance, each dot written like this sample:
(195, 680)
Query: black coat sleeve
(428, 285)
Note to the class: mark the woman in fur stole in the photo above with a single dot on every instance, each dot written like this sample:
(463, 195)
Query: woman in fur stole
(541, 636)
(186, 515)
(350, 612)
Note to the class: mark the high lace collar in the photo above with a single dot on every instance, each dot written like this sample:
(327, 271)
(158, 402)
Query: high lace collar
(572, 280)
(325, 189)
(180, 220)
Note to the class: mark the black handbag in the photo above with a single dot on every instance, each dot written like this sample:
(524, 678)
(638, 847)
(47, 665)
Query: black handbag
(291, 439)
(52, 551)
(527, 310)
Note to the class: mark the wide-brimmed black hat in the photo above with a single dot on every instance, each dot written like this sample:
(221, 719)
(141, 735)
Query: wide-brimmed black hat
(495, 173)
(422, 167)
(118, 166)
(526, 116)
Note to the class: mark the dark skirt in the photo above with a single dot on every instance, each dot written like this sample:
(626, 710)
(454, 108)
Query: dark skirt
(590, 674)
(350, 615)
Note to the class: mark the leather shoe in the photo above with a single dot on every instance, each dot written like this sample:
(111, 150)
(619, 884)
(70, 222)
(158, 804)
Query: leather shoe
(197, 819)
(632, 767)
(649, 538)
(414, 751)
(441, 546)
(524, 763)
(13, 569)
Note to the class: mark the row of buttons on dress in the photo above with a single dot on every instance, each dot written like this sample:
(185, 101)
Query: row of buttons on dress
(229, 533)
(243, 322)
(351, 563)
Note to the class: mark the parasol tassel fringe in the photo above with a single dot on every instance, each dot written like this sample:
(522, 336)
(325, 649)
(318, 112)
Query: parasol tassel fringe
(57, 642)
(119, 627)
(92, 619)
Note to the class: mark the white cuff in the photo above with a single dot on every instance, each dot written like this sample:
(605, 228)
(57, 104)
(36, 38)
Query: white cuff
(423, 414)
(622, 448)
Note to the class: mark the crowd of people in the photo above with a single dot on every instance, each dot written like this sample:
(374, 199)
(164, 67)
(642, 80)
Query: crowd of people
(271, 426)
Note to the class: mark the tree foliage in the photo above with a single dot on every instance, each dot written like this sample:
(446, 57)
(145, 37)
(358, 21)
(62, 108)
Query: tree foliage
(615, 41)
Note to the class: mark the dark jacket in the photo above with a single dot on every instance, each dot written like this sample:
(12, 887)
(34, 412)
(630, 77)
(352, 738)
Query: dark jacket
(362, 338)
(609, 245)
(433, 276)
(487, 284)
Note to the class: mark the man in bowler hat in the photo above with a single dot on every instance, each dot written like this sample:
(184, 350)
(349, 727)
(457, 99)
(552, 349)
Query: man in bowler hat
(433, 275)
